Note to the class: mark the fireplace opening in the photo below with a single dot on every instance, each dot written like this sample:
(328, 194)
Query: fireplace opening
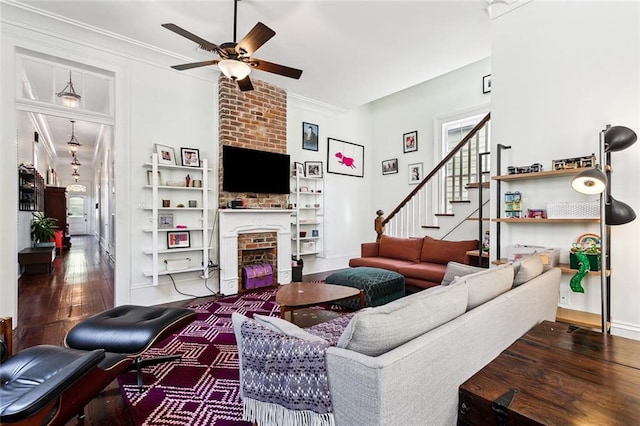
(257, 260)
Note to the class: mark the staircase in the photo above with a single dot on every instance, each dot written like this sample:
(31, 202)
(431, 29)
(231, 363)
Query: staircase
(452, 201)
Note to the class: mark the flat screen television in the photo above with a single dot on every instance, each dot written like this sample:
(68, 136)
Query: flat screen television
(250, 170)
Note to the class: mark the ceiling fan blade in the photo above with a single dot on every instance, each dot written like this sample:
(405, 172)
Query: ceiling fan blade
(204, 44)
(194, 65)
(255, 38)
(262, 65)
(245, 84)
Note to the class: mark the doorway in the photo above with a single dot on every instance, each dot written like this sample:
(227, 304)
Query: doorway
(77, 215)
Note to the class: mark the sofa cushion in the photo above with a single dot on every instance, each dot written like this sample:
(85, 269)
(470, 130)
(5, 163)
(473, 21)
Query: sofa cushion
(285, 327)
(380, 262)
(423, 271)
(400, 248)
(455, 270)
(374, 331)
(527, 268)
(486, 284)
(442, 251)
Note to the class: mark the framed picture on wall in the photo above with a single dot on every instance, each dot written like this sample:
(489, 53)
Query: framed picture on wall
(410, 141)
(415, 173)
(166, 154)
(310, 136)
(345, 158)
(298, 168)
(390, 166)
(486, 83)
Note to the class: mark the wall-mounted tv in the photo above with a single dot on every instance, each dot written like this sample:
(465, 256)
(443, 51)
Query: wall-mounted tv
(250, 170)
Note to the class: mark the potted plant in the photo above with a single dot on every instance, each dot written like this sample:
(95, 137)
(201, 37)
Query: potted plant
(42, 230)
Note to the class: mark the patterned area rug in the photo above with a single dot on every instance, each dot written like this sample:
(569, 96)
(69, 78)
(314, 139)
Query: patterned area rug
(203, 389)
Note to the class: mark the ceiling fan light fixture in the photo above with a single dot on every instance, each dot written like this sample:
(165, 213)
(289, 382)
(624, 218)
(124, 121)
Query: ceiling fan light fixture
(234, 69)
(68, 95)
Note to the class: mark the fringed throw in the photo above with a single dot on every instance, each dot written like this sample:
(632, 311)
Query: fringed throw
(284, 378)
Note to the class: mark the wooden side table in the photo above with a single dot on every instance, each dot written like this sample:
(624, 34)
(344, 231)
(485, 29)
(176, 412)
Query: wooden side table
(37, 260)
(556, 374)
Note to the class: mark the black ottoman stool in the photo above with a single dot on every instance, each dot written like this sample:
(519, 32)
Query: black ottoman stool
(129, 330)
(380, 285)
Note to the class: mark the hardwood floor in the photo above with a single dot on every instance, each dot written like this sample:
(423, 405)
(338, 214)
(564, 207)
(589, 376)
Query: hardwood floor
(80, 285)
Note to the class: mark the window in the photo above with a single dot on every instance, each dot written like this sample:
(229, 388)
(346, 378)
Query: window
(76, 207)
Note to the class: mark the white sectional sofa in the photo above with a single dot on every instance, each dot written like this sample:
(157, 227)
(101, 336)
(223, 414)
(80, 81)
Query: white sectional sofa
(402, 363)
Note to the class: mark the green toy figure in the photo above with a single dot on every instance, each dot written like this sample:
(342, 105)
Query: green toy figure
(583, 262)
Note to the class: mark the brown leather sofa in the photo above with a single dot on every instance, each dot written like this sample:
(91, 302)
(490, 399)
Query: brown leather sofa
(422, 261)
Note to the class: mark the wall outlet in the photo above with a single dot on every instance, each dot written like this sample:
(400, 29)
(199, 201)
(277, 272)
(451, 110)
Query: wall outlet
(564, 297)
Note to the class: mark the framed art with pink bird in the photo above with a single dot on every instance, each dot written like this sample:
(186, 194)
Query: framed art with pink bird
(345, 158)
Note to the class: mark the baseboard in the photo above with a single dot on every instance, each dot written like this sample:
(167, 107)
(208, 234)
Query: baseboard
(632, 331)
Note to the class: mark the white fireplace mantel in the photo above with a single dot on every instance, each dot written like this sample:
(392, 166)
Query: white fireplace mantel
(244, 221)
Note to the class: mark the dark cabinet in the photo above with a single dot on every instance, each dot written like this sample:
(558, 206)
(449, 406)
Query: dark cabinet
(55, 206)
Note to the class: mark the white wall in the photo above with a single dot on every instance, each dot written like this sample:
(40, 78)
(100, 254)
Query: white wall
(418, 108)
(153, 104)
(347, 199)
(561, 72)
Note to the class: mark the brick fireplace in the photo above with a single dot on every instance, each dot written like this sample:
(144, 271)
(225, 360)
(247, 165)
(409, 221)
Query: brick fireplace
(265, 232)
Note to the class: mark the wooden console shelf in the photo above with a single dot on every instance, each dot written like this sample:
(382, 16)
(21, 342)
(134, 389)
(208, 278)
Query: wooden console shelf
(539, 175)
(531, 220)
(564, 267)
(579, 318)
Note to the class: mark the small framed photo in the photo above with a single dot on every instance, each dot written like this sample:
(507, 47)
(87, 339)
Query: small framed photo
(310, 136)
(298, 168)
(150, 178)
(178, 239)
(165, 220)
(486, 83)
(313, 169)
(190, 157)
(390, 166)
(415, 173)
(410, 141)
(166, 154)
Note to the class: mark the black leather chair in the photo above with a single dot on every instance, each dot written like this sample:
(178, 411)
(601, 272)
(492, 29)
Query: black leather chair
(48, 385)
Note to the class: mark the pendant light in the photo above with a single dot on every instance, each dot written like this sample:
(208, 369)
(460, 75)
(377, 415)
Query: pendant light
(68, 95)
(73, 142)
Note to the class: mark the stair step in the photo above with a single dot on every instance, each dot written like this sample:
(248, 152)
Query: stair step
(430, 227)
(459, 202)
(477, 185)
(484, 219)
(444, 215)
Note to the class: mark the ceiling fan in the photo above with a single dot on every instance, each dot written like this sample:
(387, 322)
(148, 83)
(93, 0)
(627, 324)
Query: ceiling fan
(235, 58)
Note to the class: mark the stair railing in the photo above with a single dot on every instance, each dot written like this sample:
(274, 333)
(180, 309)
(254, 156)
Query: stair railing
(417, 208)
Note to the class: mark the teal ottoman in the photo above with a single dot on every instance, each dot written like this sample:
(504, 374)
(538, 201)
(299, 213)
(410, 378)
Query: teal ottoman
(380, 286)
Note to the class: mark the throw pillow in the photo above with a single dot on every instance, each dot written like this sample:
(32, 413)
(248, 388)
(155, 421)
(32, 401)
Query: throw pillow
(487, 284)
(400, 248)
(378, 330)
(527, 268)
(285, 327)
(455, 270)
(443, 251)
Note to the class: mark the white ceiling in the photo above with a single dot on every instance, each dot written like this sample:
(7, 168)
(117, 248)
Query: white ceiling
(351, 52)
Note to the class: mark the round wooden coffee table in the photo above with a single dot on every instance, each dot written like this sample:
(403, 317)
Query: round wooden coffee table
(303, 295)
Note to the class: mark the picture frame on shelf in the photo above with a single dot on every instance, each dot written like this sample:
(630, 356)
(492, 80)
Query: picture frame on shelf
(166, 154)
(390, 166)
(190, 157)
(345, 158)
(486, 83)
(298, 168)
(415, 173)
(313, 169)
(410, 142)
(178, 239)
(150, 178)
(310, 136)
(165, 221)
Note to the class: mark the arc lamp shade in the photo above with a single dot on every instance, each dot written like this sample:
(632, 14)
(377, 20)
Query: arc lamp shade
(618, 138)
(618, 213)
(590, 181)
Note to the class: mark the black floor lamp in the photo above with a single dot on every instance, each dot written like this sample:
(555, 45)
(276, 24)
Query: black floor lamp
(597, 180)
